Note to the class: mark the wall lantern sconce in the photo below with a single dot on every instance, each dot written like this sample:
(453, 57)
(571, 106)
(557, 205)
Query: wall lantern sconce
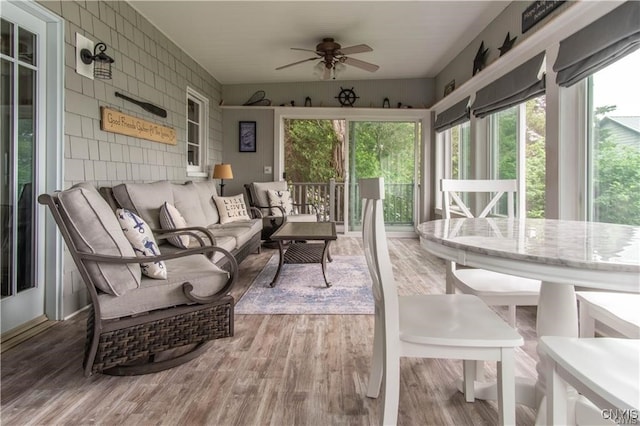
(101, 61)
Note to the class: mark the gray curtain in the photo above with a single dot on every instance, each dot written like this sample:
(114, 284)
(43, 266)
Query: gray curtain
(521, 84)
(459, 113)
(599, 44)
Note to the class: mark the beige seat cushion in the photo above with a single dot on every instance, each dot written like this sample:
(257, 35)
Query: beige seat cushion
(302, 218)
(94, 228)
(241, 231)
(226, 242)
(207, 279)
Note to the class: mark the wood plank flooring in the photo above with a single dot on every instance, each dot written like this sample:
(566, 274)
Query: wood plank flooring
(276, 370)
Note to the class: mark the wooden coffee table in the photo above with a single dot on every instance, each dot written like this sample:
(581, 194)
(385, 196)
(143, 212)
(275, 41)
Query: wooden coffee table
(302, 251)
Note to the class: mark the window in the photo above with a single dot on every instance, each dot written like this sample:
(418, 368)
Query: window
(197, 125)
(454, 154)
(613, 159)
(517, 151)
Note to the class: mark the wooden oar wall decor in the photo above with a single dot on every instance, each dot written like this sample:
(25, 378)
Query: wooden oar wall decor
(153, 109)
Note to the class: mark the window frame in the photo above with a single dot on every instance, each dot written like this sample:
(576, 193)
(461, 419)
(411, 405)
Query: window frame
(202, 101)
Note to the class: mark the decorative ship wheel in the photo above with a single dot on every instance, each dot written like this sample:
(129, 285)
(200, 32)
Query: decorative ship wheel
(347, 97)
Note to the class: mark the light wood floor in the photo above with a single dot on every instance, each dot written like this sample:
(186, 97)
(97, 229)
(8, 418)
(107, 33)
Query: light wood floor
(277, 370)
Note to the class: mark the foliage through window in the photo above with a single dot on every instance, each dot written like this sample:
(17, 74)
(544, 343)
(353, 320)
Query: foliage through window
(614, 143)
(506, 143)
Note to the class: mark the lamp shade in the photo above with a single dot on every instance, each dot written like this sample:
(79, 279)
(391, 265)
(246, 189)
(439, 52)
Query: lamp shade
(222, 171)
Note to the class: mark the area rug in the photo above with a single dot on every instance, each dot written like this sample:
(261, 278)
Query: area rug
(301, 289)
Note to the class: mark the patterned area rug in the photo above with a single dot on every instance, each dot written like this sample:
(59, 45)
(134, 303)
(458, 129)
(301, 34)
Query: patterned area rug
(301, 289)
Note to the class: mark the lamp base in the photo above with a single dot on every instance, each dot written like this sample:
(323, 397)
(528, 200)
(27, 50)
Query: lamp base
(221, 188)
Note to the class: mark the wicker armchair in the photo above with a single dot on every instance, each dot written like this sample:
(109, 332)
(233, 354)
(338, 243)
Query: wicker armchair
(274, 216)
(136, 323)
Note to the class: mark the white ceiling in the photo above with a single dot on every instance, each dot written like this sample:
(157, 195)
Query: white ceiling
(244, 41)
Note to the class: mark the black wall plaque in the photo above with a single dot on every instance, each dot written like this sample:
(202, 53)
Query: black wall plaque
(537, 11)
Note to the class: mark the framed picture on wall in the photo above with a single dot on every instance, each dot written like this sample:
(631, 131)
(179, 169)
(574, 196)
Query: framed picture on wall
(247, 136)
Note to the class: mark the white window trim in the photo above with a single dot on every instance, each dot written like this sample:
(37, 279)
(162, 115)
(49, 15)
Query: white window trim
(203, 101)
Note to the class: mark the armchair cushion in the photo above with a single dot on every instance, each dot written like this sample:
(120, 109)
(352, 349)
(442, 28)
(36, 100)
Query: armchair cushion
(206, 278)
(280, 199)
(144, 244)
(170, 218)
(232, 209)
(94, 228)
(260, 196)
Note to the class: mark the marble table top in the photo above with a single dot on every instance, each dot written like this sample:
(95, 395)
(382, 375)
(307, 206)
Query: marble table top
(584, 245)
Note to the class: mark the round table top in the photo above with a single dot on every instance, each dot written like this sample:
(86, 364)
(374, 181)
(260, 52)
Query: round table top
(545, 249)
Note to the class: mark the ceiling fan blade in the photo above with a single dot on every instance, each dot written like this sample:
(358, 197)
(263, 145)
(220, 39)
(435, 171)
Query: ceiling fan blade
(358, 48)
(367, 66)
(305, 50)
(296, 63)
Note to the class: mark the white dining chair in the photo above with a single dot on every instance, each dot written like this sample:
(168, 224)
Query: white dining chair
(449, 326)
(494, 288)
(617, 312)
(604, 370)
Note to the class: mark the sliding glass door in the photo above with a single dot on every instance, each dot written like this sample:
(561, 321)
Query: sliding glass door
(325, 158)
(388, 149)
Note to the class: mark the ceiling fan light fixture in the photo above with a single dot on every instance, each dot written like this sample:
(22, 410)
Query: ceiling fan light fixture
(338, 68)
(318, 69)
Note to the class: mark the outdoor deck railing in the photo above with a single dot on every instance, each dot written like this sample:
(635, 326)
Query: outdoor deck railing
(329, 197)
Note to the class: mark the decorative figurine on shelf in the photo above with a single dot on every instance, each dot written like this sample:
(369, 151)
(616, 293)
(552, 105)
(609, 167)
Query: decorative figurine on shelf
(480, 59)
(385, 103)
(347, 97)
(507, 44)
(307, 101)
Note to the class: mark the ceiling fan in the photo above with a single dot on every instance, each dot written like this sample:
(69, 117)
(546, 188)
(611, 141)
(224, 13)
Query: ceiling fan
(333, 58)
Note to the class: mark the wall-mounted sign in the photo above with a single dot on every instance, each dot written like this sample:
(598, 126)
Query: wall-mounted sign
(115, 121)
(537, 11)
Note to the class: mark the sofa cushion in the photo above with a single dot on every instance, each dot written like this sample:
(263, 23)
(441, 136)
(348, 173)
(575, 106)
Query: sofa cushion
(260, 196)
(207, 279)
(241, 231)
(231, 209)
(187, 201)
(170, 218)
(280, 199)
(207, 190)
(226, 242)
(95, 229)
(144, 244)
(145, 199)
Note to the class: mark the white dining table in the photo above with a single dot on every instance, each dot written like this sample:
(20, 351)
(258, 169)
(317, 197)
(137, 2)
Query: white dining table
(560, 253)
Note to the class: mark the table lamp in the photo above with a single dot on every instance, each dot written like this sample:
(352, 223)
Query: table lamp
(222, 171)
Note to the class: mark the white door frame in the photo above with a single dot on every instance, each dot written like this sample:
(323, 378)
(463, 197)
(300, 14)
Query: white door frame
(50, 147)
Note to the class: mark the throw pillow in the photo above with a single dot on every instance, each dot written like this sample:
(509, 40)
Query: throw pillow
(231, 209)
(170, 218)
(144, 244)
(282, 199)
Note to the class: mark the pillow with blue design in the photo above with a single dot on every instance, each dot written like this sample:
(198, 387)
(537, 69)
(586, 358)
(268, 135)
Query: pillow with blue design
(144, 244)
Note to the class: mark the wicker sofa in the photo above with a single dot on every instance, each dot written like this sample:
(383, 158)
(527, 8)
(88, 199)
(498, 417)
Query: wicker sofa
(137, 324)
(195, 202)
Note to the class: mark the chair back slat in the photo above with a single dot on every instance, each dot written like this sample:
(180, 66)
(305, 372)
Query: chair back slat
(452, 188)
(376, 251)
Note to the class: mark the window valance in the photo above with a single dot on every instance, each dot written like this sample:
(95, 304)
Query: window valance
(521, 84)
(599, 44)
(458, 113)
